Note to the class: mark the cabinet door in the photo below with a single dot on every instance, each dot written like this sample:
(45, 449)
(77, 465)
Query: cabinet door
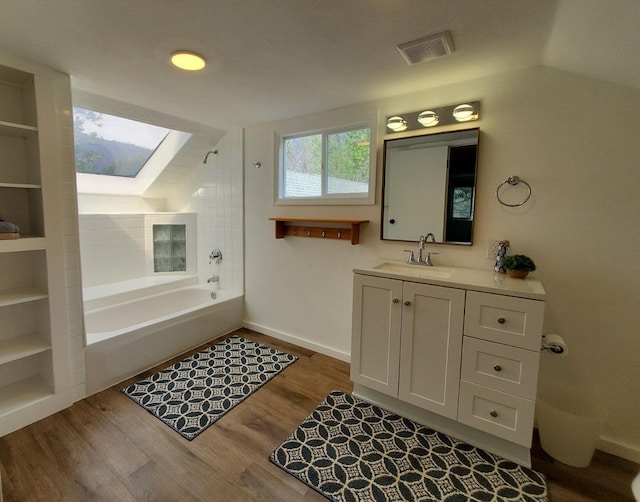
(431, 346)
(375, 343)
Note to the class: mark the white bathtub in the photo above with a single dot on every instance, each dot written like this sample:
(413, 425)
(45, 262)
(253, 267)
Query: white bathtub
(127, 337)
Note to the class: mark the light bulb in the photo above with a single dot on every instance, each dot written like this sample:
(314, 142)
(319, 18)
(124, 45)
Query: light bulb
(428, 118)
(463, 113)
(396, 123)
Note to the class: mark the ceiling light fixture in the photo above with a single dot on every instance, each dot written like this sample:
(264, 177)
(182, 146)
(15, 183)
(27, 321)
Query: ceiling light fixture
(396, 123)
(187, 60)
(429, 118)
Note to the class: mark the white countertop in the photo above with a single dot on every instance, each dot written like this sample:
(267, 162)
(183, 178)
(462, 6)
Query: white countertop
(487, 281)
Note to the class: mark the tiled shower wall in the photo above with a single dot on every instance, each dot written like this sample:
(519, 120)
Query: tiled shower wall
(214, 191)
(112, 243)
(112, 248)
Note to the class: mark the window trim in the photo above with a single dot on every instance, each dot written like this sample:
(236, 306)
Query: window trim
(367, 120)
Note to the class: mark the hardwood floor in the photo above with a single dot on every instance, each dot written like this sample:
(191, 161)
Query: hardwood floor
(107, 448)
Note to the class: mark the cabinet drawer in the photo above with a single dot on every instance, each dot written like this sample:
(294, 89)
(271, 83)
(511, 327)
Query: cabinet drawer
(504, 319)
(500, 367)
(504, 415)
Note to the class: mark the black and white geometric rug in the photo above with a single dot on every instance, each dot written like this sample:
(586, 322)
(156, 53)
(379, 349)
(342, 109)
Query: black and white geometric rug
(195, 392)
(351, 450)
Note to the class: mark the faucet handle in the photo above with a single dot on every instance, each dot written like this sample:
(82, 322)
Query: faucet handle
(412, 257)
(428, 261)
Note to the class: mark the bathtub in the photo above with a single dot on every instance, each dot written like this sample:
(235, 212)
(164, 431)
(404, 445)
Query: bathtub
(130, 331)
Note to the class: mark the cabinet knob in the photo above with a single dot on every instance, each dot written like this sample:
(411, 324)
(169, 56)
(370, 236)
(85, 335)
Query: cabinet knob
(497, 367)
(501, 320)
(493, 413)
(407, 303)
(395, 300)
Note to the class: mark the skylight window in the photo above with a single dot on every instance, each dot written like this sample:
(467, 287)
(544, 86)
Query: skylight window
(113, 146)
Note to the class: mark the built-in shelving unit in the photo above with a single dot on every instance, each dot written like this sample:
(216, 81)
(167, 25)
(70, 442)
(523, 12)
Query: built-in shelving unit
(343, 229)
(32, 348)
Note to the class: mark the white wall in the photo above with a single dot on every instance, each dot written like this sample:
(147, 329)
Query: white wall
(575, 141)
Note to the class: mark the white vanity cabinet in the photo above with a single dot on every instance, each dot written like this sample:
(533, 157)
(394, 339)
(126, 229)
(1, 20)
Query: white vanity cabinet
(457, 353)
(408, 337)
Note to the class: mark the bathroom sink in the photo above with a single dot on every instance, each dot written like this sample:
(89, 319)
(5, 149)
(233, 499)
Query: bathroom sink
(414, 270)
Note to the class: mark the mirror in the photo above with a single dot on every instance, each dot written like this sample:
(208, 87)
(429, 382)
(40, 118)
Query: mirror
(429, 187)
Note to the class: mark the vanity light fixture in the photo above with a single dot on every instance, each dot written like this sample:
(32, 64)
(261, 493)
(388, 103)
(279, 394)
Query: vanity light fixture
(431, 117)
(396, 123)
(188, 60)
(464, 112)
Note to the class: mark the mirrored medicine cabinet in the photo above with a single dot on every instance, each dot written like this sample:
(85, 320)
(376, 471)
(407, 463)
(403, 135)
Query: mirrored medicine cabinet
(429, 187)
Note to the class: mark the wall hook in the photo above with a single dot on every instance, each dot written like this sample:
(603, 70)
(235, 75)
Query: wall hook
(257, 164)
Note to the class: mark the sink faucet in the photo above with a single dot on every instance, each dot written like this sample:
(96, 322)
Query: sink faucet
(422, 260)
(421, 242)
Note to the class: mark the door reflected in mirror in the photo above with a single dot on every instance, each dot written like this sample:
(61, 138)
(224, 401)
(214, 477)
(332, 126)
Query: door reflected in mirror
(429, 187)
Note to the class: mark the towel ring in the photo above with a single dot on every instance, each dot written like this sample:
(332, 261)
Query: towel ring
(513, 181)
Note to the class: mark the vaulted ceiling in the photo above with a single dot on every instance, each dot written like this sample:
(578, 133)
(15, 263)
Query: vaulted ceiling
(273, 59)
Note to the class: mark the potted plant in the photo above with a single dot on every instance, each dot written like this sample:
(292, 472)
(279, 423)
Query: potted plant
(518, 265)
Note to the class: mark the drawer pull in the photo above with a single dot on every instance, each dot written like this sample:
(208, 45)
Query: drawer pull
(493, 413)
(395, 300)
(497, 367)
(501, 320)
(407, 303)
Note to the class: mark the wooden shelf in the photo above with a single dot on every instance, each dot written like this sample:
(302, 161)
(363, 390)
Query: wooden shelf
(334, 229)
(21, 347)
(20, 295)
(22, 394)
(20, 185)
(24, 243)
(11, 129)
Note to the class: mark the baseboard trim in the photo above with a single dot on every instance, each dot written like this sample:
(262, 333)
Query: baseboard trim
(301, 342)
(619, 449)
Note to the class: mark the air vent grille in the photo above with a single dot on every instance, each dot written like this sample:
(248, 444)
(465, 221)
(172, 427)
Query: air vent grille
(424, 49)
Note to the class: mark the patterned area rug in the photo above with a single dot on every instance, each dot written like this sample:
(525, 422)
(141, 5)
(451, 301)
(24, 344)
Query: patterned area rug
(195, 392)
(351, 450)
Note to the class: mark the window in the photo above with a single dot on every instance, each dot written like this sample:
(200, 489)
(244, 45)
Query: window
(325, 167)
(462, 203)
(113, 146)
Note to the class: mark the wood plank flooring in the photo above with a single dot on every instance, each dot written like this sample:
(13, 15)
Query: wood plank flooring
(107, 448)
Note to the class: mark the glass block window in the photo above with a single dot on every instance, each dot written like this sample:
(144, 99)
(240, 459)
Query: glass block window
(169, 248)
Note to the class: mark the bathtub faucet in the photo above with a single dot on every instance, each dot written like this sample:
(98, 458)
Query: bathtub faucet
(213, 278)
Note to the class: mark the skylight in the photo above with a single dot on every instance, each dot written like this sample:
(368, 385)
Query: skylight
(113, 146)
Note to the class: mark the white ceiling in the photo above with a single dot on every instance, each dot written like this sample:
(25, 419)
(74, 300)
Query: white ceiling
(274, 59)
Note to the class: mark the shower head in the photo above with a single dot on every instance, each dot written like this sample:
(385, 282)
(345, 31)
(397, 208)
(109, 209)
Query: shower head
(215, 152)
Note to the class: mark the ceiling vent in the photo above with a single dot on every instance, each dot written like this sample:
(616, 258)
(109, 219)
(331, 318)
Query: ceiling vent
(424, 49)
